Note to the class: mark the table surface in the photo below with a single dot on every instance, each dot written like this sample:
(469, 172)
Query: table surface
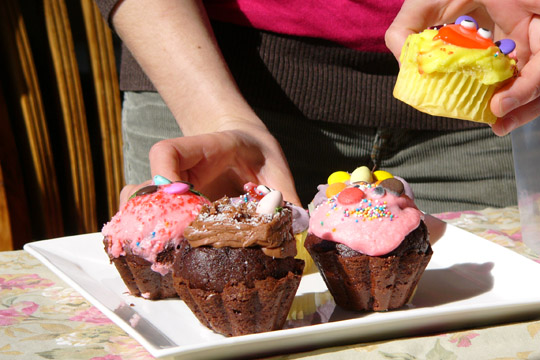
(41, 317)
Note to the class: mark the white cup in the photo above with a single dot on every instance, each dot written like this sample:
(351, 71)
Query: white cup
(526, 151)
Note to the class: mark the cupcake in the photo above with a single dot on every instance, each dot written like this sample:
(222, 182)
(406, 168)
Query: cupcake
(142, 239)
(368, 240)
(237, 270)
(453, 70)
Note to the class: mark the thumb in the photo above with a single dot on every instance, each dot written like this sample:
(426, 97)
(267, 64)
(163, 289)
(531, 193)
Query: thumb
(130, 189)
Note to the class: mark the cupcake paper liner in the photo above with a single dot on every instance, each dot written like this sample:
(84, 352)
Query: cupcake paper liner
(454, 95)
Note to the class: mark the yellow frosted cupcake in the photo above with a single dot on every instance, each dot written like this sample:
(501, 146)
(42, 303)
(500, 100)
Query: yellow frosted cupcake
(453, 70)
(302, 253)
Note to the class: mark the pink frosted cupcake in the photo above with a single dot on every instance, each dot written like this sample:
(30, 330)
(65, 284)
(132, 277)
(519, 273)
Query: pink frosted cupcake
(144, 236)
(368, 240)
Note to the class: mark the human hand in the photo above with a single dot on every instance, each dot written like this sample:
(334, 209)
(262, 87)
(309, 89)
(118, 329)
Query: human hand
(518, 102)
(220, 163)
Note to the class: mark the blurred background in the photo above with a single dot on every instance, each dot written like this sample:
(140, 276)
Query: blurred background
(60, 143)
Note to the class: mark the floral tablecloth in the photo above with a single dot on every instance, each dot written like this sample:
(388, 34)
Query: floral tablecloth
(41, 317)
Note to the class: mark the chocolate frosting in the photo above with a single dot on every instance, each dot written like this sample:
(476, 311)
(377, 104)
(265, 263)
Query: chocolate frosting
(236, 223)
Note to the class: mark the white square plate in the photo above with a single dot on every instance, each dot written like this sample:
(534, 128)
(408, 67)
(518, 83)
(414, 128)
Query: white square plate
(470, 282)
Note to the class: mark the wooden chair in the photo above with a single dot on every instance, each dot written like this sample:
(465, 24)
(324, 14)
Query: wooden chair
(65, 127)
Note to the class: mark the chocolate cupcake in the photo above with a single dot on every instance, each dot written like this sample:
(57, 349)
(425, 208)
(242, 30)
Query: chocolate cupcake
(142, 239)
(236, 271)
(368, 240)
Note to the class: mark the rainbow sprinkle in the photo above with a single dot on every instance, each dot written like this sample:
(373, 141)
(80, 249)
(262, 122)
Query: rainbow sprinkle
(370, 211)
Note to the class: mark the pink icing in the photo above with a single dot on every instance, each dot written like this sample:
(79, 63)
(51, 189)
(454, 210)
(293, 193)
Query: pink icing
(147, 224)
(375, 225)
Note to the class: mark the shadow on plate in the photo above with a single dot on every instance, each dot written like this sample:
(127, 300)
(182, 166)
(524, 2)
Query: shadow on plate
(437, 287)
(456, 283)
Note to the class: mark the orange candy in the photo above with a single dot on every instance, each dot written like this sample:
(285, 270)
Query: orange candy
(334, 189)
(468, 38)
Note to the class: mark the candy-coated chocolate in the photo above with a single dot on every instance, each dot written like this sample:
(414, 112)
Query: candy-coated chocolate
(407, 189)
(466, 18)
(177, 188)
(393, 185)
(350, 195)
(506, 45)
(160, 180)
(381, 175)
(361, 174)
(335, 188)
(149, 189)
(270, 202)
(187, 183)
(263, 189)
(338, 176)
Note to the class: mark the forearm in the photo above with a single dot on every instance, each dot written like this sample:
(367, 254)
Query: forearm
(174, 44)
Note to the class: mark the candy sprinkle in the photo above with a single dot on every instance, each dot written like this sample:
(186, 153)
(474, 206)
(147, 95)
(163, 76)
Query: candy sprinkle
(370, 212)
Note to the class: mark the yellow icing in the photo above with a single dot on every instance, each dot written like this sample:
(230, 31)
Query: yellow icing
(303, 254)
(489, 66)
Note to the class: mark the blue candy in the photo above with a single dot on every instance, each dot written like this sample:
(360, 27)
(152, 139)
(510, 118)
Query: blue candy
(160, 180)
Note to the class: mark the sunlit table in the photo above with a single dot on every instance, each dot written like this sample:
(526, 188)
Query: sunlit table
(41, 317)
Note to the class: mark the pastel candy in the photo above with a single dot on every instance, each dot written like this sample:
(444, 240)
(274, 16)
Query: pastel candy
(300, 219)
(506, 46)
(338, 176)
(466, 18)
(393, 186)
(350, 195)
(149, 189)
(334, 189)
(160, 180)
(406, 187)
(269, 203)
(381, 175)
(361, 174)
(177, 188)
(263, 189)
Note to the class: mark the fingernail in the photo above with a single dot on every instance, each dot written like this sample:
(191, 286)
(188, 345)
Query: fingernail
(508, 104)
(508, 124)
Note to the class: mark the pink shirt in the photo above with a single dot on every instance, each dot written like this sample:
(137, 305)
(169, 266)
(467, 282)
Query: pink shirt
(358, 24)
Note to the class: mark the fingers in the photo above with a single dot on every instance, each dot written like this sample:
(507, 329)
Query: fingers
(196, 159)
(417, 15)
(519, 102)
(517, 118)
(405, 23)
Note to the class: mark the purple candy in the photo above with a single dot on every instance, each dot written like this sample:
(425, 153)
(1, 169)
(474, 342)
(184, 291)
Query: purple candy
(300, 219)
(176, 188)
(466, 17)
(506, 46)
